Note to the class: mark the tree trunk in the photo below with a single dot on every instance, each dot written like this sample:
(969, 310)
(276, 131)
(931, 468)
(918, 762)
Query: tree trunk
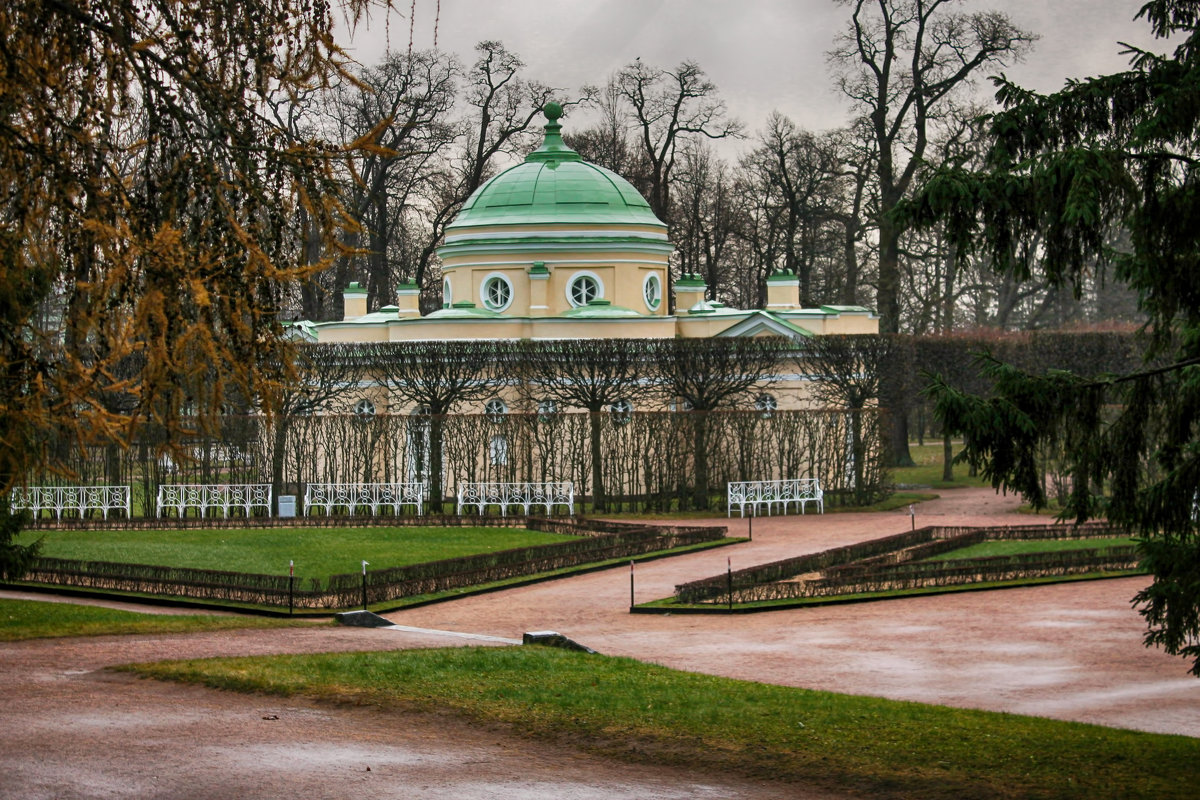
(436, 494)
(859, 452)
(277, 458)
(599, 500)
(947, 457)
(700, 446)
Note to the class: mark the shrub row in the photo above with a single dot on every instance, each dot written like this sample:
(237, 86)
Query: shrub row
(440, 576)
(197, 584)
(873, 555)
(856, 579)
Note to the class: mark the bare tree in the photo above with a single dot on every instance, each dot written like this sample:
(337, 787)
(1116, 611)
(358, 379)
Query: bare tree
(670, 106)
(607, 376)
(800, 174)
(437, 376)
(704, 375)
(850, 372)
(608, 142)
(324, 373)
(706, 218)
(504, 107)
(401, 104)
(901, 61)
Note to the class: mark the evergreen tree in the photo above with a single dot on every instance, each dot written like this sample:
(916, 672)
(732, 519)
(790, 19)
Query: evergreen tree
(1117, 152)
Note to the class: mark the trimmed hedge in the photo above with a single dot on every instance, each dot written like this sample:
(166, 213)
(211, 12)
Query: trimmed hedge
(612, 540)
(896, 562)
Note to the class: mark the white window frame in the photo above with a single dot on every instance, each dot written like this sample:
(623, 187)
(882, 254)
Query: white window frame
(495, 410)
(447, 293)
(488, 280)
(578, 276)
(654, 279)
(766, 404)
(498, 450)
(364, 408)
(621, 410)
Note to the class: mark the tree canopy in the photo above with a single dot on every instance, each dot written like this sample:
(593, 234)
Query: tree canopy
(1117, 152)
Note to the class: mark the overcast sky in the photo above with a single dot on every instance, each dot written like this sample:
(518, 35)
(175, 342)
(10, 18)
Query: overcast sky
(763, 55)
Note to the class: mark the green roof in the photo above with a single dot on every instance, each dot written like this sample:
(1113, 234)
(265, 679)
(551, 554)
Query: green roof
(554, 185)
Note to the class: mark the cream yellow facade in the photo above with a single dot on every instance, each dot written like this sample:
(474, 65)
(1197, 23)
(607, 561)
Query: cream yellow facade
(557, 248)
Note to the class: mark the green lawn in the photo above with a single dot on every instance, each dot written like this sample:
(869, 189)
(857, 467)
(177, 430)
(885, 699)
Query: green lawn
(1014, 546)
(30, 619)
(318, 552)
(624, 708)
(928, 469)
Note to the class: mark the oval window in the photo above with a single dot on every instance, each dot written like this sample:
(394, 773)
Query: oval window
(496, 293)
(652, 291)
(583, 289)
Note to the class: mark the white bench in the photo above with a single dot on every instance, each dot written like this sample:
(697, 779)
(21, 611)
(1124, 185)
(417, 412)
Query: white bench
(522, 495)
(760, 494)
(206, 497)
(79, 499)
(353, 496)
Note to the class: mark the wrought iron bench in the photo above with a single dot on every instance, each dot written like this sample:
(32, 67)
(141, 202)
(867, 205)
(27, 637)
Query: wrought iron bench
(205, 497)
(353, 496)
(522, 495)
(79, 499)
(759, 494)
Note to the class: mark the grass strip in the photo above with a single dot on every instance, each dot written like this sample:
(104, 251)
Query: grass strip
(624, 708)
(1008, 547)
(31, 619)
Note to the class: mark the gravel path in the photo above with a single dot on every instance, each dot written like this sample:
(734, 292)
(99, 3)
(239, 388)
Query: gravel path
(1070, 651)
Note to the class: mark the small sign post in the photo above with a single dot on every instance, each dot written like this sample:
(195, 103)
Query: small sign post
(912, 515)
(291, 584)
(631, 584)
(364, 584)
(729, 579)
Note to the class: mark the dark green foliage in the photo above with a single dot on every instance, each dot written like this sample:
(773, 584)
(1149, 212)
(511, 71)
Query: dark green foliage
(15, 559)
(1115, 153)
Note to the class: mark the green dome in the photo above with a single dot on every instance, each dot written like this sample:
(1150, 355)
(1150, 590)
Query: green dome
(554, 185)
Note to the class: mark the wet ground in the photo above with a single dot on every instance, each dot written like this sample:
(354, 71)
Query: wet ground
(1067, 651)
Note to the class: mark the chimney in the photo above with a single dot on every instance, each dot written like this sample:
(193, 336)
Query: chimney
(783, 291)
(354, 301)
(408, 299)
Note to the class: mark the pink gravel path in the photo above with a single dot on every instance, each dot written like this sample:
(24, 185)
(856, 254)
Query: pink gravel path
(70, 729)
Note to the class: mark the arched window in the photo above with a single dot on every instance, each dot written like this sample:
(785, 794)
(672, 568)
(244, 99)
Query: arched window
(496, 293)
(622, 411)
(766, 403)
(584, 288)
(652, 291)
(495, 409)
(417, 451)
(447, 294)
(498, 450)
